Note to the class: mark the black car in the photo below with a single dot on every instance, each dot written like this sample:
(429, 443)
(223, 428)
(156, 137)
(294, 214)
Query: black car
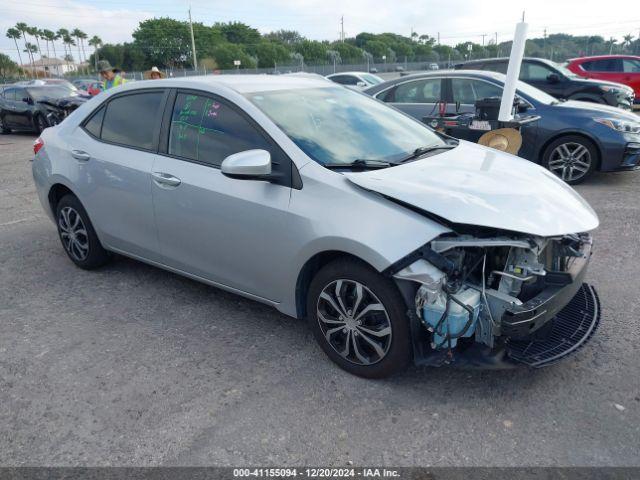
(571, 139)
(559, 82)
(33, 108)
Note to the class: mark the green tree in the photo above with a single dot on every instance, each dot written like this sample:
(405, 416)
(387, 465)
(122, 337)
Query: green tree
(35, 33)
(7, 67)
(22, 28)
(166, 42)
(286, 37)
(239, 33)
(226, 53)
(80, 37)
(63, 33)
(270, 54)
(95, 42)
(312, 51)
(14, 34)
(348, 53)
(376, 48)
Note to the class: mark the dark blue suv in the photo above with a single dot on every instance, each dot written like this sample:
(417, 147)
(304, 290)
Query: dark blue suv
(571, 139)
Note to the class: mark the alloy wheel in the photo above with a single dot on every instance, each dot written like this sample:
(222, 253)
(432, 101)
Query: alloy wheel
(354, 322)
(570, 161)
(73, 234)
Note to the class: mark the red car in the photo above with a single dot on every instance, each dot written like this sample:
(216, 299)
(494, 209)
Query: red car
(614, 68)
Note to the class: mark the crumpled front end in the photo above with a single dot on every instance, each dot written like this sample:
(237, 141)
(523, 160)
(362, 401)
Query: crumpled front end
(59, 109)
(499, 300)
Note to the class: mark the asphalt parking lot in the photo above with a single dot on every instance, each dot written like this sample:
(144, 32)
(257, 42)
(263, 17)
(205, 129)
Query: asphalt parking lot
(132, 365)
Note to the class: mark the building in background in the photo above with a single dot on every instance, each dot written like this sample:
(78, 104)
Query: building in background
(51, 66)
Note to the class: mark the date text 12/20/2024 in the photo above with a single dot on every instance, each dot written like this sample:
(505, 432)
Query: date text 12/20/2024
(317, 472)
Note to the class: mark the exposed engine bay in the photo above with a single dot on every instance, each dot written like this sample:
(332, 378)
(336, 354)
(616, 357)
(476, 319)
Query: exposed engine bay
(488, 293)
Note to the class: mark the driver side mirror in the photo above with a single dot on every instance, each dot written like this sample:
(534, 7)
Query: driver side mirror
(28, 100)
(248, 165)
(553, 78)
(361, 84)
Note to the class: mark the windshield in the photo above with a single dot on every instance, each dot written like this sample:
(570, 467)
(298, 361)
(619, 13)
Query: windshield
(53, 93)
(372, 79)
(339, 126)
(563, 70)
(535, 93)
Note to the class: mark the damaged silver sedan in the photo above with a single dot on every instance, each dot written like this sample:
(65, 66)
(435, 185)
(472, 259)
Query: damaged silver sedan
(398, 244)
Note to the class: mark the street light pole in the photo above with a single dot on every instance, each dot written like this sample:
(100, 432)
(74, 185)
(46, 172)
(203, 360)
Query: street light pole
(193, 43)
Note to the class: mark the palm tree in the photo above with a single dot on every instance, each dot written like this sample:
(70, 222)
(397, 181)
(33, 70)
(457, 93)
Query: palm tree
(95, 42)
(68, 40)
(22, 28)
(49, 36)
(80, 36)
(30, 49)
(62, 33)
(627, 40)
(46, 41)
(35, 33)
(14, 34)
(612, 42)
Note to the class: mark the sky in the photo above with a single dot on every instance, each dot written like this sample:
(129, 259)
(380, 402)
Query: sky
(455, 20)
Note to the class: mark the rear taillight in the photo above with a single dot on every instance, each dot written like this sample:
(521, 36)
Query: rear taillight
(37, 145)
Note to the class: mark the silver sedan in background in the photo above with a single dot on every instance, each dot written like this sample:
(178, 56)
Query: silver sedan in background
(395, 242)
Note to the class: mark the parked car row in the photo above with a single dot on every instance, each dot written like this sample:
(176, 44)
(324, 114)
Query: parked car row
(560, 82)
(623, 69)
(35, 105)
(571, 139)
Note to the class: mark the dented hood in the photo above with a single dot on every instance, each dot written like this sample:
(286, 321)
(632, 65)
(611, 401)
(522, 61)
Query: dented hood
(480, 186)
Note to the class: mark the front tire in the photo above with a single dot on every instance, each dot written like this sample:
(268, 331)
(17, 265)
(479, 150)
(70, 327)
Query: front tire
(77, 235)
(359, 319)
(572, 158)
(3, 129)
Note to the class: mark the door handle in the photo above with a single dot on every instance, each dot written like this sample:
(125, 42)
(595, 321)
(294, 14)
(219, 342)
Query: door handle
(80, 155)
(165, 179)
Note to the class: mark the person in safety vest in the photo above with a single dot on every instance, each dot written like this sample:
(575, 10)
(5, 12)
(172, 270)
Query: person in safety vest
(110, 78)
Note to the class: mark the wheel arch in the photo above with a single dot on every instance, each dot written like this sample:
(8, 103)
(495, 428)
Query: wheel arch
(571, 133)
(309, 270)
(56, 192)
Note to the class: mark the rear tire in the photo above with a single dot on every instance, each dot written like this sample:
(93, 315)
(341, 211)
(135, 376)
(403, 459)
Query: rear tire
(359, 319)
(572, 158)
(78, 236)
(40, 123)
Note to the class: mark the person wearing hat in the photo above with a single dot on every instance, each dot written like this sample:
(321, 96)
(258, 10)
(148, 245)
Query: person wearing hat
(110, 78)
(153, 74)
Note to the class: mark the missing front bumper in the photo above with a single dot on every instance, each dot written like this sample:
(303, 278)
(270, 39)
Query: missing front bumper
(566, 333)
(569, 330)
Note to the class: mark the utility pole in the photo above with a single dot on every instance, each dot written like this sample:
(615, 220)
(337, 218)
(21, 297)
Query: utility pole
(483, 35)
(438, 38)
(342, 29)
(193, 43)
(497, 48)
(544, 42)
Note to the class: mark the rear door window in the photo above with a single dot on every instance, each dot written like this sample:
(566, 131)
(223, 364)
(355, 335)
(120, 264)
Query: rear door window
(467, 90)
(345, 80)
(133, 120)
(534, 71)
(418, 91)
(603, 65)
(94, 125)
(631, 65)
(10, 94)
